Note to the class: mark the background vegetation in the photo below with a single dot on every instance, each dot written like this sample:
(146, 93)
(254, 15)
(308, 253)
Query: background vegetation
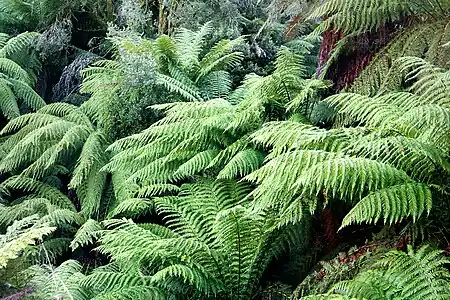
(238, 149)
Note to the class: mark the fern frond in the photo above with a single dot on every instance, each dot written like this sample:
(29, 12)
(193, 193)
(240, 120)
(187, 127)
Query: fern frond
(157, 189)
(195, 165)
(86, 234)
(27, 94)
(60, 217)
(61, 282)
(92, 153)
(189, 45)
(132, 207)
(371, 14)
(176, 86)
(18, 237)
(38, 188)
(14, 70)
(417, 274)
(392, 204)
(242, 164)
(190, 276)
(133, 293)
(8, 103)
(419, 159)
(23, 208)
(348, 177)
(218, 57)
(18, 43)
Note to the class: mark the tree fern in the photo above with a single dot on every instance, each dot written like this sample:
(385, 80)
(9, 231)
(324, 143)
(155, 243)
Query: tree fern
(415, 198)
(196, 137)
(67, 132)
(384, 165)
(213, 246)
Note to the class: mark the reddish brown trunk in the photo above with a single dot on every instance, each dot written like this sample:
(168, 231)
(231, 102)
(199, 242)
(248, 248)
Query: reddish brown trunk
(330, 226)
(357, 55)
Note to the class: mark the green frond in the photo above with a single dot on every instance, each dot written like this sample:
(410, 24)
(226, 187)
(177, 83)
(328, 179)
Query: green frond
(4, 37)
(86, 234)
(133, 293)
(329, 297)
(420, 39)
(219, 57)
(27, 94)
(92, 154)
(157, 189)
(402, 112)
(419, 159)
(38, 188)
(283, 136)
(107, 284)
(48, 251)
(229, 152)
(34, 120)
(392, 204)
(19, 236)
(216, 84)
(242, 164)
(64, 110)
(189, 45)
(132, 207)
(178, 87)
(373, 112)
(59, 217)
(65, 148)
(34, 144)
(347, 177)
(238, 230)
(165, 50)
(417, 274)
(8, 103)
(23, 209)
(18, 43)
(429, 81)
(276, 178)
(308, 95)
(190, 276)
(14, 70)
(204, 248)
(180, 111)
(91, 192)
(63, 281)
(371, 13)
(195, 165)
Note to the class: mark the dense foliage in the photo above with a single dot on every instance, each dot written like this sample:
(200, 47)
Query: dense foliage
(239, 149)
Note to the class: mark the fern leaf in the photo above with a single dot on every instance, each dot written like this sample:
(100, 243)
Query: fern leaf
(38, 188)
(8, 102)
(178, 87)
(86, 235)
(243, 163)
(392, 204)
(14, 70)
(132, 207)
(27, 94)
(196, 164)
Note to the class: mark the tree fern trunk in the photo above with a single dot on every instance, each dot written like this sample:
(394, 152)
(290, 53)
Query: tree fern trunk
(358, 54)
